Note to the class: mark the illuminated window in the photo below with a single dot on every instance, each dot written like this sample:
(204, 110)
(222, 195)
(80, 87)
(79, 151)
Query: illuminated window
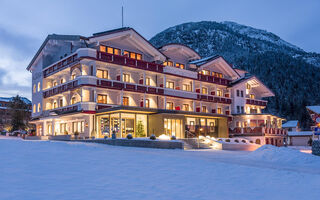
(170, 85)
(103, 49)
(55, 83)
(125, 101)
(34, 88)
(204, 90)
(179, 65)
(186, 107)
(147, 103)
(73, 76)
(39, 107)
(61, 81)
(34, 108)
(102, 74)
(102, 98)
(132, 55)
(169, 106)
(110, 50)
(148, 81)
(219, 110)
(61, 102)
(205, 72)
(204, 108)
(219, 93)
(39, 87)
(213, 74)
(139, 56)
(54, 105)
(186, 87)
(168, 63)
(116, 51)
(248, 86)
(126, 78)
(73, 100)
(252, 96)
(126, 53)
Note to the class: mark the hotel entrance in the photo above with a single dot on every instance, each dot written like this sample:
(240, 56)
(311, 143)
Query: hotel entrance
(173, 127)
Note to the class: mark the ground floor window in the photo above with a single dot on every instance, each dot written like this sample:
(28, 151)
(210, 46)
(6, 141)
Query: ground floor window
(78, 127)
(173, 127)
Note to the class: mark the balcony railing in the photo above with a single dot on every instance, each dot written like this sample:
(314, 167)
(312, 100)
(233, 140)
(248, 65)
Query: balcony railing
(255, 131)
(213, 99)
(123, 60)
(256, 102)
(65, 63)
(213, 79)
(60, 89)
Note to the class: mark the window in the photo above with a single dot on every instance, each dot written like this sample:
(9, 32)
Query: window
(219, 110)
(204, 108)
(219, 93)
(241, 93)
(186, 87)
(102, 98)
(61, 102)
(169, 106)
(39, 87)
(34, 88)
(179, 65)
(61, 81)
(126, 78)
(216, 74)
(102, 73)
(73, 100)
(237, 124)
(125, 101)
(168, 63)
(251, 96)
(148, 81)
(170, 85)
(248, 86)
(116, 51)
(186, 107)
(54, 105)
(204, 90)
(78, 127)
(147, 103)
(238, 109)
(39, 107)
(238, 93)
(103, 49)
(242, 109)
(132, 55)
(34, 108)
(55, 83)
(73, 76)
(205, 72)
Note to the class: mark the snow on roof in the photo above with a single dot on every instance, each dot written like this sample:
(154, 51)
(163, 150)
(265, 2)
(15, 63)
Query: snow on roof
(203, 60)
(290, 124)
(315, 109)
(300, 133)
(8, 99)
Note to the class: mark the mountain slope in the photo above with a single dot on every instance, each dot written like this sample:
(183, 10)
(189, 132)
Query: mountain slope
(289, 71)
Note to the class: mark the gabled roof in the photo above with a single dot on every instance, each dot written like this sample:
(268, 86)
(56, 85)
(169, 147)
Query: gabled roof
(181, 47)
(315, 109)
(290, 124)
(216, 59)
(123, 32)
(253, 80)
(54, 37)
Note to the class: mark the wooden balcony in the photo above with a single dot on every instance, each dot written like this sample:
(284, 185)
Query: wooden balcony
(60, 89)
(65, 63)
(212, 79)
(256, 102)
(257, 131)
(125, 61)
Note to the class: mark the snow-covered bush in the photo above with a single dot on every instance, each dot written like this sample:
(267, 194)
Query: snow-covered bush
(237, 141)
(227, 140)
(153, 137)
(243, 141)
(129, 137)
(173, 137)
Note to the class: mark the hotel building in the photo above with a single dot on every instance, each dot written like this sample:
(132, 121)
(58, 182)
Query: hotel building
(116, 81)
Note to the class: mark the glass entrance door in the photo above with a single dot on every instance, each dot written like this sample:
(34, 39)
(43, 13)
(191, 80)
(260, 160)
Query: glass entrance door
(173, 127)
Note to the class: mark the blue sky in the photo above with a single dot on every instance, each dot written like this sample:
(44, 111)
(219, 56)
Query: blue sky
(25, 24)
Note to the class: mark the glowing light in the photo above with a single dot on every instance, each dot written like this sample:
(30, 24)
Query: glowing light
(164, 137)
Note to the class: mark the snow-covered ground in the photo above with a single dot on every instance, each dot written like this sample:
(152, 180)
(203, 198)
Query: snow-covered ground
(59, 170)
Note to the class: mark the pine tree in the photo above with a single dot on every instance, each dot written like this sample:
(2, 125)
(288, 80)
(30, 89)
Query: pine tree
(140, 130)
(19, 113)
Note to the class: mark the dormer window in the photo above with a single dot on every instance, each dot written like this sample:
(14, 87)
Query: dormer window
(216, 74)
(252, 96)
(132, 55)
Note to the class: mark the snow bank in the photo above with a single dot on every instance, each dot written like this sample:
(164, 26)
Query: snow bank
(284, 155)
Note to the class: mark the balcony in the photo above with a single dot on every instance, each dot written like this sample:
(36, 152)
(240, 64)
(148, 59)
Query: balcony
(212, 79)
(125, 61)
(257, 131)
(60, 89)
(211, 98)
(60, 65)
(180, 93)
(256, 102)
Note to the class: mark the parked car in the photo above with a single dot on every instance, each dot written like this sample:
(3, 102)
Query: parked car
(18, 132)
